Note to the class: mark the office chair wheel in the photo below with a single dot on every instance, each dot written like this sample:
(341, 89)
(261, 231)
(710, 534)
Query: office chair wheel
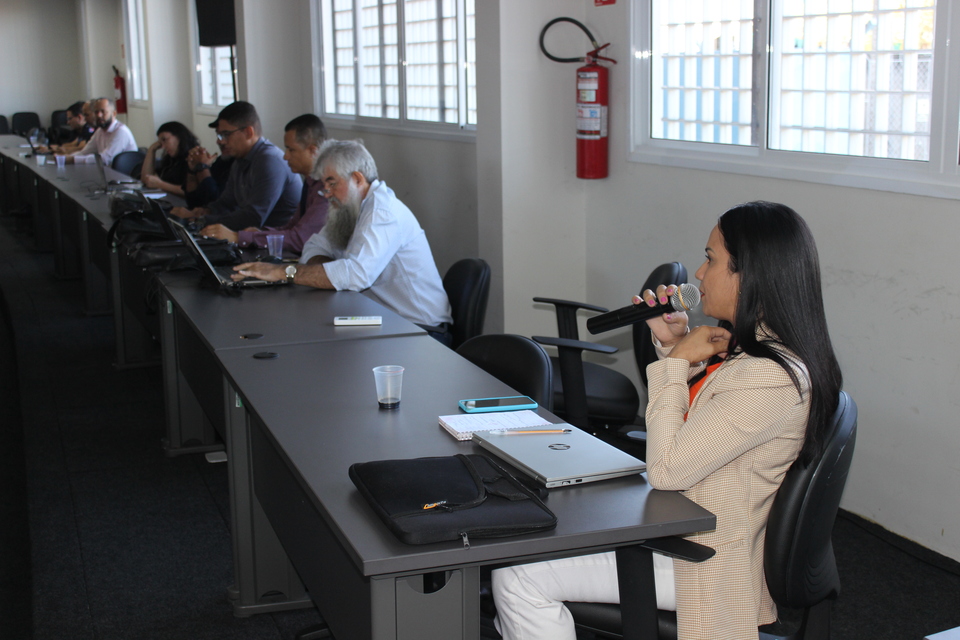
(314, 632)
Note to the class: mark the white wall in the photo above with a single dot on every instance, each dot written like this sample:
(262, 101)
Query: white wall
(274, 61)
(529, 195)
(168, 48)
(888, 262)
(101, 37)
(39, 47)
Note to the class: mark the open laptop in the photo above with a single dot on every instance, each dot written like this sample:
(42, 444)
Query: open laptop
(560, 459)
(33, 150)
(104, 183)
(155, 212)
(220, 275)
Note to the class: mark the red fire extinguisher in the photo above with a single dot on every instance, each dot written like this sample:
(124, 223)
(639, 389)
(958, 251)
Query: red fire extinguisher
(592, 106)
(119, 91)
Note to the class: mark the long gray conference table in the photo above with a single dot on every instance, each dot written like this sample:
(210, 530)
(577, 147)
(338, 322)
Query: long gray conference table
(312, 412)
(204, 413)
(69, 216)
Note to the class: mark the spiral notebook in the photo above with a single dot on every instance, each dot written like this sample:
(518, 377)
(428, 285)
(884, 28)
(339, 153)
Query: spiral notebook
(462, 426)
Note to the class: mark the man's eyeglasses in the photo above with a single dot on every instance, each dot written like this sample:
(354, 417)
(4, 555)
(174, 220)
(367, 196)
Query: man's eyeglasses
(223, 135)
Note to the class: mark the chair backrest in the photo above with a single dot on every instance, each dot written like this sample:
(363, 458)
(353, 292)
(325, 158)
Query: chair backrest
(467, 284)
(4, 125)
(516, 361)
(58, 118)
(59, 132)
(643, 349)
(798, 557)
(127, 162)
(23, 121)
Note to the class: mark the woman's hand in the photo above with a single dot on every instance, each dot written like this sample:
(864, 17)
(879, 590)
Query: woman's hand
(151, 181)
(668, 328)
(702, 343)
(154, 147)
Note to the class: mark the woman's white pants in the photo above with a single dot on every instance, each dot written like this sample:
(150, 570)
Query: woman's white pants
(530, 597)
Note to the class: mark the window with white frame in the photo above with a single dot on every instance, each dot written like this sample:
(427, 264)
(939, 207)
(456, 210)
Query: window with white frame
(215, 76)
(778, 78)
(403, 60)
(136, 55)
(852, 78)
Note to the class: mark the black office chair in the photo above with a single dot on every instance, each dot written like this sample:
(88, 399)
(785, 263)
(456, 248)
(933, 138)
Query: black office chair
(514, 360)
(23, 121)
(467, 284)
(128, 163)
(59, 132)
(590, 395)
(798, 561)
(4, 126)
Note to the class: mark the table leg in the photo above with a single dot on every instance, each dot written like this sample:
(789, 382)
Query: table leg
(265, 579)
(96, 287)
(188, 429)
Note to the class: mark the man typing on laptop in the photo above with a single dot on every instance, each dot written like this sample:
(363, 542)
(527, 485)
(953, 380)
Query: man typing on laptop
(261, 190)
(302, 139)
(371, 243)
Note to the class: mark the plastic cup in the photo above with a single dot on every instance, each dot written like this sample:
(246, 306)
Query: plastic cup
(41, 159)
(389, 379)
(61, 162)
(275, 245)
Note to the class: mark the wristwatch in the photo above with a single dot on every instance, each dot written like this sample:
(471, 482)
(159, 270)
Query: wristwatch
(202, 166)
(291, 272)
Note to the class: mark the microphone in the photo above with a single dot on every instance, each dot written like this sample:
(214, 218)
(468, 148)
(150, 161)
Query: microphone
(685, 298)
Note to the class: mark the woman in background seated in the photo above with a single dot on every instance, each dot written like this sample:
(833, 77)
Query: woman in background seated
(170, 173)
(728, 414)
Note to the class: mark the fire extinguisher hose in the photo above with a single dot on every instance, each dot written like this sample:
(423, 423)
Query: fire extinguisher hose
(543, 33)
(593, 54)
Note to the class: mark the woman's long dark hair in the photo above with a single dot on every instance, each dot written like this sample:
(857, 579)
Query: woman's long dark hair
(772, 249)
(186, 139)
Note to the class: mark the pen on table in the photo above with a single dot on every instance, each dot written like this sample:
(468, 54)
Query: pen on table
(521, 432)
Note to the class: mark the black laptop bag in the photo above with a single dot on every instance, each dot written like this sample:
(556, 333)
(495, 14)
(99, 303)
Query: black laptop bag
(424, 500)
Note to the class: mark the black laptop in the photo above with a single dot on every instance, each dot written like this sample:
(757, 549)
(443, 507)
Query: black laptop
(221, 275)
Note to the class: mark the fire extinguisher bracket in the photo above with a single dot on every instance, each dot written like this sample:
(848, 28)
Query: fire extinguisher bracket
(592, 105)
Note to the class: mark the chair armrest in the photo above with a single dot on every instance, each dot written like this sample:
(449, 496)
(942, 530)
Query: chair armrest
(567, 315)
(566, 343)
(681, 548)
(570, 303)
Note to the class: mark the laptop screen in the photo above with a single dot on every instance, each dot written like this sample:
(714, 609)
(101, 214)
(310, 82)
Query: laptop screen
(203, 262)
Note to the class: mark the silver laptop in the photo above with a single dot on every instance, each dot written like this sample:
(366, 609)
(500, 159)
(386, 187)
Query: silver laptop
(221, 276)
(560, 459)
(105, 184)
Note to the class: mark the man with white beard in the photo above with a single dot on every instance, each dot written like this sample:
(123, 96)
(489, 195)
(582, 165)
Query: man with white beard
(371, 243)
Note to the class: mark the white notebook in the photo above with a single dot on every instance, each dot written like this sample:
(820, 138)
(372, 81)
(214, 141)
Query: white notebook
(463, 425)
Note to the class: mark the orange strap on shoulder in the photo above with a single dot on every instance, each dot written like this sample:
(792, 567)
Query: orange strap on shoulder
(695, 387)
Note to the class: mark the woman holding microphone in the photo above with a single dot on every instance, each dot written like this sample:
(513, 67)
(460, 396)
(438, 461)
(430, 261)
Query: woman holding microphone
(730, 409)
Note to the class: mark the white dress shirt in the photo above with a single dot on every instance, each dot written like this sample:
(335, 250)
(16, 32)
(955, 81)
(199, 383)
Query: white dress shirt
(108, 142)
(388, 258)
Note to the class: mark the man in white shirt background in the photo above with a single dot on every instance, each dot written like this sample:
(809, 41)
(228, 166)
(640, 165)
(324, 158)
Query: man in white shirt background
(111, 138)
(371, 243)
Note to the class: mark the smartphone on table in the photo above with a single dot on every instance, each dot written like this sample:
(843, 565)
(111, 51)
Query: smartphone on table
(505, 403)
